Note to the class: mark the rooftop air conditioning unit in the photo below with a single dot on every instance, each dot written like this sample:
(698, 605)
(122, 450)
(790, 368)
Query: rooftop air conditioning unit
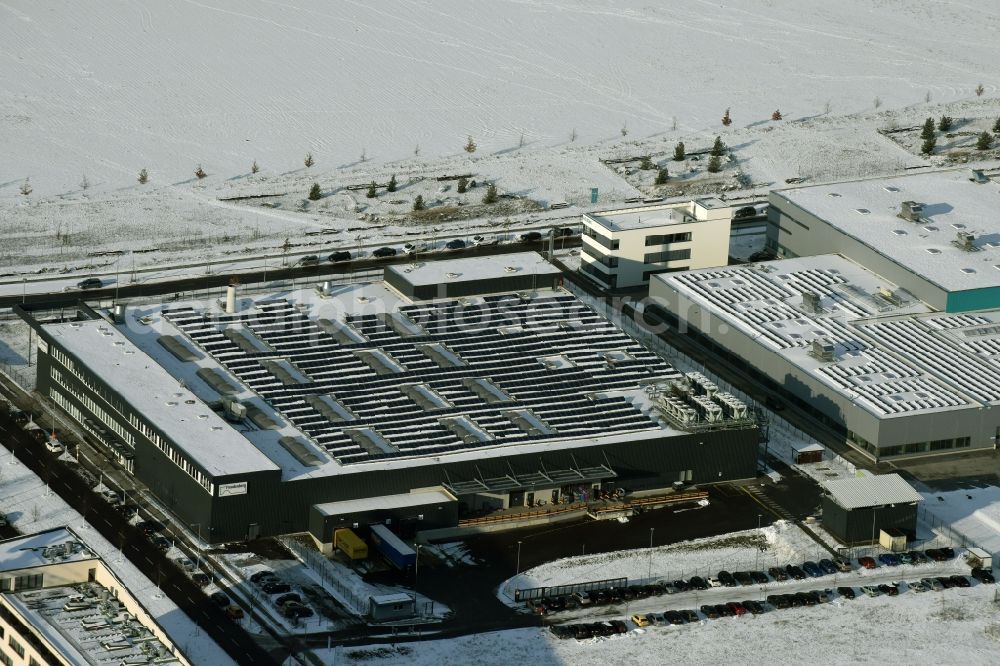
(911, 210)
(823, 349)
(889, 295)
(810, 301)
(965, 241)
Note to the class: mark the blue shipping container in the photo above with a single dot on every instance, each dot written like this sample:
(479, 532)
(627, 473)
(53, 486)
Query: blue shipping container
(398, 553)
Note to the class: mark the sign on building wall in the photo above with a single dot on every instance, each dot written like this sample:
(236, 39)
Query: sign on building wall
(43, 346)
(230, 489)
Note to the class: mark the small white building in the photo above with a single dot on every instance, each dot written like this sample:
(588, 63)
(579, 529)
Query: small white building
(624, 247)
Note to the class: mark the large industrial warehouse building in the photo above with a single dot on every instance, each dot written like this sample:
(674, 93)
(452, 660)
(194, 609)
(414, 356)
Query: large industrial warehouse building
(265, 415)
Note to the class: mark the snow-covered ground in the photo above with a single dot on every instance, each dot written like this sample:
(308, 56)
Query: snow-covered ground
(973, 512)
(954, 626)
(31, 507)
(92, 92)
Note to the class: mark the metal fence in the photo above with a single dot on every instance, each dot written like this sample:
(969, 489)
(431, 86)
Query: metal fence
(528, 593)
(329, 576)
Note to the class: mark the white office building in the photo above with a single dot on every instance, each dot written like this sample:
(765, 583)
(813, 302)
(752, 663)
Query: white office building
(623, 248)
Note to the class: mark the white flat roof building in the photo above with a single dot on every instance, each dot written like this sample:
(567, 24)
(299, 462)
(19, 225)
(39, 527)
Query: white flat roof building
(937, 234)
(902, 378)
(860, 492)
(623, 247)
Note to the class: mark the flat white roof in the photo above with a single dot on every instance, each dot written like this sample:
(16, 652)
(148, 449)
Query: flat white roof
(159, 398)
(423, 273)
(858, 492)
(867, 210)
(54, 546)
(641, 217)
(893, 357)
(385, 502)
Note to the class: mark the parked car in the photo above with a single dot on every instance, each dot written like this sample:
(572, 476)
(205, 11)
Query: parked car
(339, 255)
(641, 620)
(779, 600)
(795, 572)
(947, 552)
(220, 598)
(746, 211)
(261, 575)
(309, 260)
(698, 583)
(724, 611)
(110, 496)
(727, 579)
(149, 527)
(916, 586)
(161, 543)
(455, 244)
(54, 445)
(843, 565)
(562, 231)
(658, 619)
(960, 581)
(754, 607)
(484, 240)
(932, 584)
(982, 575)
(827, 566)
(184, 563)
(201, 579)
(714, 582)
(890, 590)
(709, 611)
(564, 631)
(743, 578)
(276, 587)
(777, 574)
(690, 615)
(812, 569)
(759, 577)
(674, 617)
(530, 236)
(286, 598)
(846, 592)
(234, 612)
(888, 559)
(90, 283)
(682, 585)
(582, 599)
(294, 610)
(737, 608)
(946, 582)
(916, 557)
(867, 562)
(384, 252)
(904, 558)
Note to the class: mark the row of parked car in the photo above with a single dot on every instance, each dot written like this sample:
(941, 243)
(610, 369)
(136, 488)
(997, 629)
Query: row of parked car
(288, 602)
(413, 248)
(752, 607)
(910, 557)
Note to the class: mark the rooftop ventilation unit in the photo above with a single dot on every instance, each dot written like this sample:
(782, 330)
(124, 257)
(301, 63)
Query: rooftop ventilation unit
(823, 349)
(911, 210)
(511, 269)
(965, 241)
(810, 301)
(889, 295)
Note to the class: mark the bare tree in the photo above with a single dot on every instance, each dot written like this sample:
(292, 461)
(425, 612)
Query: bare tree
(673, 123)
(572, 135)
(416, 150)
(927, 96)
(364, 155)
(520, 142)
(980, 90)
(36, 513)
(200, 173)
(26, 187)
(776, 115)
(726, 119)
(877, 102)
(624, 129)
(143, 176)
(827, 107)
(254, 168)
(84, 183)
(309, 161)
(470, 146)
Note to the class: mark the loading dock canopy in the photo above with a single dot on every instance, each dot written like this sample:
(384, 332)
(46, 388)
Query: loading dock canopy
(866, 491)
(401, 501)
(542, 478)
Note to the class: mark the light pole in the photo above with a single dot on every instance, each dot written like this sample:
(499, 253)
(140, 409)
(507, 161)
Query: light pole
(416, 568)
(517, 569)
(874, 509)
(757, 558)
(649, 573)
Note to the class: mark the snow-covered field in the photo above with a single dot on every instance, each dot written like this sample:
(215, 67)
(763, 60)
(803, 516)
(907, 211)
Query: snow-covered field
(974, 512)
(91, 92)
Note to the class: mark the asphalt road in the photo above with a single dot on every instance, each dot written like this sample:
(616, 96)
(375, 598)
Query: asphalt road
(133, 545)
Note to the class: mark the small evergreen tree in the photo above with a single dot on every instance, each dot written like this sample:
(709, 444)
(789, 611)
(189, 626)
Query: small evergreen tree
(679, 152)
(143, 176)
(491, 195)
(718, 148)
(254, 168)
(26, 187)
(372, 191)
(572, 135)
(980, 90)
(470, 146)
(200, 173)
(726, 120)
(624, 130)
(309, 161)
(877, 102)
(84, 184)
(776, 115)
(996, 126)
(418, 203)
(715, 164)
(928, 145)
(463, 184)
(647, 163)
(985, 141)
(944, 124)
(661, 176)
(314, 192)
(391, 187)
(928, 131)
